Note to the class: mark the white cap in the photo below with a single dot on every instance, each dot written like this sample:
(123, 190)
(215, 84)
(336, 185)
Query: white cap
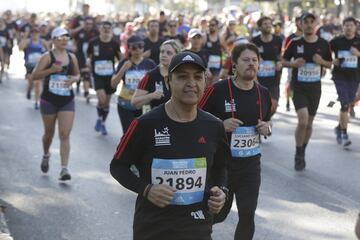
(57, 32)
(194, 32)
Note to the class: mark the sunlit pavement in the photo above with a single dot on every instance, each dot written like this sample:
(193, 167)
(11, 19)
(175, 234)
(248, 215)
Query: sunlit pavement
(320, 203)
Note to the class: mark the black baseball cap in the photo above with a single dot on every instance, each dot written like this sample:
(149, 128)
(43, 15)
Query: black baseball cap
(308, 14)
(134, 39)
(186, 57)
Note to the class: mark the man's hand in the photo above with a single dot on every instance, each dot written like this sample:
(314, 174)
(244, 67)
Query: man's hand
(216, 200)
(299, 62)
(161, 195)
(157, 95)
(231, 123)
(263, 128)
(354, 51)
(318, 59)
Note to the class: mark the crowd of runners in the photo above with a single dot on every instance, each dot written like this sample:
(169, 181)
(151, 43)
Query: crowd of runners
(172, 74)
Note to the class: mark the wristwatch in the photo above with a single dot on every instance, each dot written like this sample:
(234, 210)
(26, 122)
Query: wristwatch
(226, 191)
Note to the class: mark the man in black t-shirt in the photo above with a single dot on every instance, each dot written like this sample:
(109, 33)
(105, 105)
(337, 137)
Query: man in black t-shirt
(346, 74)
(103, 51)
(181, 153)
(270, 64)
(245, 109)
(310, 55)
(153, 41)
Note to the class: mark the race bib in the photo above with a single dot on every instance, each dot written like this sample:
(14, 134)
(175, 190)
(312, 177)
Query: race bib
(33, 58)
(3, 41)
(310, 72)
(132, 79)
(104, 67)
(214, 61)
(57, 85)
(245, 142)
(267, 69)
(350, 61)
(188, 176)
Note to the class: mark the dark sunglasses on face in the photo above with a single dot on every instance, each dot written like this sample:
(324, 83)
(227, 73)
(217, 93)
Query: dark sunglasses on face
(136, 46)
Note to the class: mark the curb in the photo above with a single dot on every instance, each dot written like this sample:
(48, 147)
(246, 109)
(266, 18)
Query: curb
(4, 230)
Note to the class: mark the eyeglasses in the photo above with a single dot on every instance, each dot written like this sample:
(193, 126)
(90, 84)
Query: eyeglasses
(63, 38)
(136, 46)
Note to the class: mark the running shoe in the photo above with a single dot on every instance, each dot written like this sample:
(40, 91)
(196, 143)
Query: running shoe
(87, 99)
(36, 106)
(28, 94)
(345, 140)
(45, 163)
(64, 175)
(103, 129)
(300, 162)
(98, 125)
(337, 131)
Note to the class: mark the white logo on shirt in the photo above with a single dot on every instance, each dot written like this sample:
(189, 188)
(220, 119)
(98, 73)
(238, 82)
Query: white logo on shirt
(198, 214)
(300, 49)
(188, 58)
(230, 106)
(162, 137)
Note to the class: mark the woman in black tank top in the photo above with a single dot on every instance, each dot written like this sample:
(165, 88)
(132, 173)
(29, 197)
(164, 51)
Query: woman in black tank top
(60, 70)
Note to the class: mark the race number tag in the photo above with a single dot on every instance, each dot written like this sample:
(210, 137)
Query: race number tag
(188, 176)
(267, 69)
(310, 72)
(58, 86)
(350, 61)
(104, 67)
(33, 58)
(132, 79)
(245, 142)
(214, 61)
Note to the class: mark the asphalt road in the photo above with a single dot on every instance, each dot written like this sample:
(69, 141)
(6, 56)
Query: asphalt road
(319, 203)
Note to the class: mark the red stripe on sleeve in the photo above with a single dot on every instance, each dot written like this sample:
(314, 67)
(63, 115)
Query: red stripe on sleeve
(206, 96)
(125, 139)
(144, 82)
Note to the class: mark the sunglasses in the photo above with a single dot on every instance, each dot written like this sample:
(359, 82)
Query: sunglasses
(63, 38)
(136, 46)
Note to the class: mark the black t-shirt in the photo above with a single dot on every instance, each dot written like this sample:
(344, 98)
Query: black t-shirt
(181, 38)
(191, 157)
(131, 80)
(310, 73)
(103, 55)
(154, 81)
(82, 39)
(224, 100)
(350, 64)
(214, 54)
(154, 47)
(270, 53)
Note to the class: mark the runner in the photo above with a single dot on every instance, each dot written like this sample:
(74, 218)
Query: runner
(11, 28)
(153, 88)
(33, 47)
(82, 39)
(102, 52)
(153, 41)
(131, 70)
(296, 34)
(214, 48)
(181, 153)
(60, 70)
(244, 106)
(345, 74)
(269, 45)
(4, 46)
(311, 54)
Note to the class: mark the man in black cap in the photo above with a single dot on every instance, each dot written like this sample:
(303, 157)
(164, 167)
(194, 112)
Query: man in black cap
(307, 56)
(181, 153)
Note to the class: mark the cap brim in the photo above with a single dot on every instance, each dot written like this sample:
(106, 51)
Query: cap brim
(185, 62)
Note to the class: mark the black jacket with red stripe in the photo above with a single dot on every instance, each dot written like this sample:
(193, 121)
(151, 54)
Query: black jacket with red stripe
(155, 135)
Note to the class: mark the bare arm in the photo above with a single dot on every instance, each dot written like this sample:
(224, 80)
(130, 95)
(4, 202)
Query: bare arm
(23, 44)
(40, 71)
(142, 97)
(75, 76)
(115, 80)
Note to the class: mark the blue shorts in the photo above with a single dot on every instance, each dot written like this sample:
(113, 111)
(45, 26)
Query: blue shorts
(346, 90)
(47, 108)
